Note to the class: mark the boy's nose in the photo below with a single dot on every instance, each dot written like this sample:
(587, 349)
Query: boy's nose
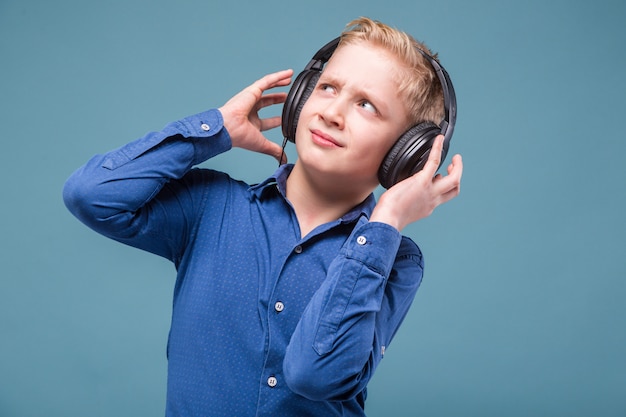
(333, 114)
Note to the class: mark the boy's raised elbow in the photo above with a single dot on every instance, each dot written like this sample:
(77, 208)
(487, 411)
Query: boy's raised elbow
(75, 194)
(81, 198)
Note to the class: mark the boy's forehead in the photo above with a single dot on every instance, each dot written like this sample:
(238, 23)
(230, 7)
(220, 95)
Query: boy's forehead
(372, 64)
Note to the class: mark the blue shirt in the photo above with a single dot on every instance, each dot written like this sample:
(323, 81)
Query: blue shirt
(265, 322)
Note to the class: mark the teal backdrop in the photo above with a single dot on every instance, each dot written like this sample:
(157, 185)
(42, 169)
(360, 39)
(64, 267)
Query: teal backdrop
(522, 309)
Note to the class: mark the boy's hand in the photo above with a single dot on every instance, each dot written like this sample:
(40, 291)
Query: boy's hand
(416, 197)
(242, 120)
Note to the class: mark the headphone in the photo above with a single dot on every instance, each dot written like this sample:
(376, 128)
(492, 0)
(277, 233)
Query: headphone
(410, 152)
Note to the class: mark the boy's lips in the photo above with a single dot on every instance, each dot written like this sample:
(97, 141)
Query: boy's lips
(323, 139)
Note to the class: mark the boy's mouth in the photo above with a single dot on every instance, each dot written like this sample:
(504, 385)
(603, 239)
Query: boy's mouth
(323, 139)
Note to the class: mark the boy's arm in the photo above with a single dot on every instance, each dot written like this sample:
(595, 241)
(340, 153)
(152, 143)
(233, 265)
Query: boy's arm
(115, 193)
(352, 318)
(111, 192)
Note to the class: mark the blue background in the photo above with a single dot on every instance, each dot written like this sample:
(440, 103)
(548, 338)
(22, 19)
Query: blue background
(522, 309)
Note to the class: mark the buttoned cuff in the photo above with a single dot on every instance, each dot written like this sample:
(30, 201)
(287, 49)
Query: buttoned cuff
(201, 125)
(208, 124)
(375, 245)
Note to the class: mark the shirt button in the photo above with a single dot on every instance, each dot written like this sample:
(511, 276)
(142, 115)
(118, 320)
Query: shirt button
(279, 306)
(205, 127)
(298, 249)
(361, 240)
(272, 381)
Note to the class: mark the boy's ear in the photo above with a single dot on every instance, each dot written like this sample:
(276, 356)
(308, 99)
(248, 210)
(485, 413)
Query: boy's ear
(303, 87)
(298, 95)
(409, 154)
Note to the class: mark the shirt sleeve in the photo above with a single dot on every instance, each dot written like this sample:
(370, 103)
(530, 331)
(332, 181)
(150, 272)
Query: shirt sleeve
(352, 318)
(111, 192)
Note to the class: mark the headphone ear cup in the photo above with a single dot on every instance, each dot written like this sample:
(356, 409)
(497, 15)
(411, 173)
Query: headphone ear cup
(408, 155)
(298, 95)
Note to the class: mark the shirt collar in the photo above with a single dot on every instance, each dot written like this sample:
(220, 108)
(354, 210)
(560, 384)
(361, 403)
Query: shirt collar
(278, 180)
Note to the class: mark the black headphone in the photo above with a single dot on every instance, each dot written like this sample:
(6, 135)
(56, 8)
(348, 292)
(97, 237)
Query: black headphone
(410, 152)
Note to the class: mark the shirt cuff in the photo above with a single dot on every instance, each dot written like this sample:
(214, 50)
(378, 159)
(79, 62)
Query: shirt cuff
(199, 127)
(375, 244)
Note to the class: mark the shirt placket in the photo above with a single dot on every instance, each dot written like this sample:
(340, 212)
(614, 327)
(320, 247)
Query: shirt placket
(273, 387)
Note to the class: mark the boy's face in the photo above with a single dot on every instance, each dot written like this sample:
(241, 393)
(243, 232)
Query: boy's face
(353, 116)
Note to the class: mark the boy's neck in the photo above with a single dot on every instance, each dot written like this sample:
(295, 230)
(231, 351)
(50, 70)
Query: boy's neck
(317, 201)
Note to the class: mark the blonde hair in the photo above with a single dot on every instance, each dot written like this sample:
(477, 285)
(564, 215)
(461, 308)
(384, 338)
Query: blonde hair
(418, 83)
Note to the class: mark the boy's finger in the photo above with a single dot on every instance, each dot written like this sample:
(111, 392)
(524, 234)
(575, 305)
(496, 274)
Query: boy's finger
(270, 123)
(434, 158)
(271, 99)
(280, 78)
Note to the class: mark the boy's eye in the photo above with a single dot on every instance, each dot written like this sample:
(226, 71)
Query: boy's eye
(327, 88)
(366, 105)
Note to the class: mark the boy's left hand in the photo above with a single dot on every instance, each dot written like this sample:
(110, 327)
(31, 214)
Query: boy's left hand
(417, 196)
(241, 114)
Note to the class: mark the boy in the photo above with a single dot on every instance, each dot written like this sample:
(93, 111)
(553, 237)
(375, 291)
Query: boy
(289, 291)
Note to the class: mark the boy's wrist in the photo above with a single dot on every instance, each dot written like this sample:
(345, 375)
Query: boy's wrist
(384, 216)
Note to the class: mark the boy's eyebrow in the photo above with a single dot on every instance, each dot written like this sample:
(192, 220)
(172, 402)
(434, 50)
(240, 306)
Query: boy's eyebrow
(328, 77)
(381, 105)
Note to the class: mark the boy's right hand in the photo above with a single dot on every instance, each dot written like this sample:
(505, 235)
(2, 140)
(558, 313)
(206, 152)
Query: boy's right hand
(417, 196)
(241, 117)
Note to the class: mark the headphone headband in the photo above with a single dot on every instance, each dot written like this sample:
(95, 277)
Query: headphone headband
(322, 56)
(449, 99)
